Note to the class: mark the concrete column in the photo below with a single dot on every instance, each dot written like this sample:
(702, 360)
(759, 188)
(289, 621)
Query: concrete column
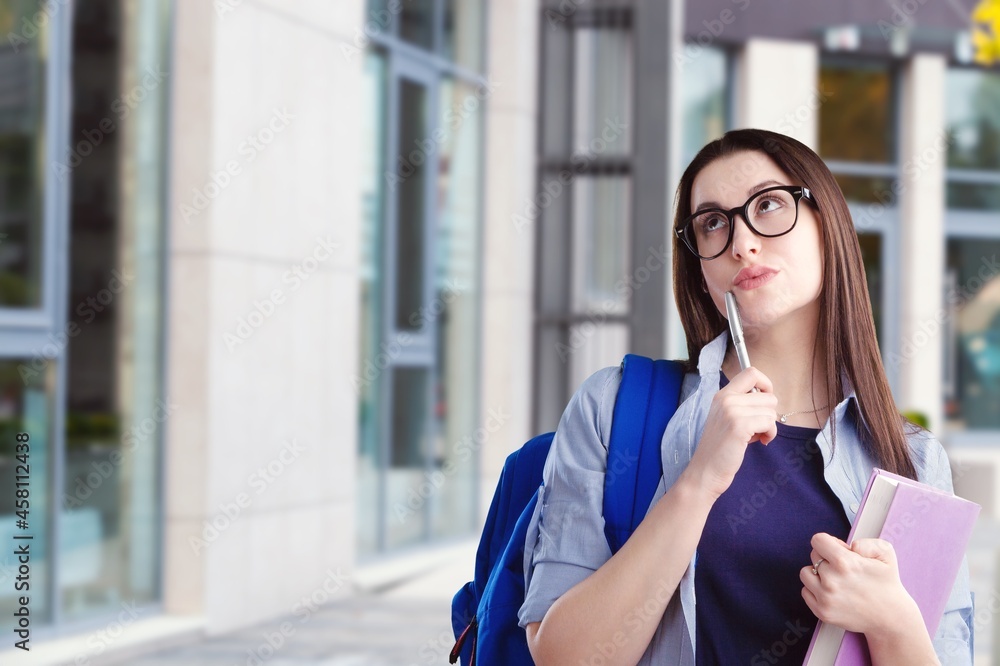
(508, 250)
(791, 108)
(922, 158)
(263, 265)
(185, 456)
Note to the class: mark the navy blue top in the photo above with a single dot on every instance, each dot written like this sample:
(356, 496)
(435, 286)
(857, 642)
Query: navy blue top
(749, 606)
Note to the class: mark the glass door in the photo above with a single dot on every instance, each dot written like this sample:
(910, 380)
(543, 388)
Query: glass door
(408, 392)
(418, 375)
(33, 341)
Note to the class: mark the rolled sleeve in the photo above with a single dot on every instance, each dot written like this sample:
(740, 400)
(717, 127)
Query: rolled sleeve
(566, 541)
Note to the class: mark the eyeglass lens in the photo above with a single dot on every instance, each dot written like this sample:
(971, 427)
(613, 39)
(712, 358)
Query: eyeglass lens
(771, 213)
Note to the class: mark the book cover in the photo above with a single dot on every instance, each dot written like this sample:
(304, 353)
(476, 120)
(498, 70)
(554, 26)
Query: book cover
(929, 529)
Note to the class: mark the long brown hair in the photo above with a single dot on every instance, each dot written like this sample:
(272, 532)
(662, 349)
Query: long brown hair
(845, 320)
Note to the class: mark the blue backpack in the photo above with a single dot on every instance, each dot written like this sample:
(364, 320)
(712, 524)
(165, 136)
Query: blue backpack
(484, 611)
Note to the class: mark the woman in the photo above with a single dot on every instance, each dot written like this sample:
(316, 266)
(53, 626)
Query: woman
(758, 485)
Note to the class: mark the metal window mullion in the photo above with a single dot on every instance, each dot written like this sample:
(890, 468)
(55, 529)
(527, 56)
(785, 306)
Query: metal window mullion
(650, 212)
(430, 265)
(597, 165)
(877, 224)
(891, 284)
(896, 78)
(570, 214)
(387, 325)
(973, 176)
(971, 224)
(846, 168)
(434, 61)
(480, 271)
(563, 319)
(58, 123)
(537, 378)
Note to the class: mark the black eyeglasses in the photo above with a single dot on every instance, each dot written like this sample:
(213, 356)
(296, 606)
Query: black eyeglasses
(769, 213)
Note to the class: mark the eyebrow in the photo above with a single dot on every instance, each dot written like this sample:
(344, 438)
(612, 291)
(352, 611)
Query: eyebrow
(708, 205)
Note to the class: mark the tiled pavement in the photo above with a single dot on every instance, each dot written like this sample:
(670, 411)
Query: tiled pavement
(407, 626)
(367, 631)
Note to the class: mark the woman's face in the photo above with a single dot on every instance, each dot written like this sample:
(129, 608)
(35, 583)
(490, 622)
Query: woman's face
(789, 267)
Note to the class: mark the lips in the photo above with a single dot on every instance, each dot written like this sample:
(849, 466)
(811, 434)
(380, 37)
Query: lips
(752, 277)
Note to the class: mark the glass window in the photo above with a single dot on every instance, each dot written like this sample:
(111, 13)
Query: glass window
(973, 297)
(22, 102)
(416, 22)
(867, 189)
(705, 101)
(25, 407)
(601, 224)
(410, 403)
(455, 310)
(115, 413)
(973, 117)
(464, 23)
(409, 482)
(973, 196)
(602, 91)
(856, 122)
(871, 255)
(454, 29)
(411, 212)
(556, 94)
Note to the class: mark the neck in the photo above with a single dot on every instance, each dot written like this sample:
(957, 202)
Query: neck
(785, 354)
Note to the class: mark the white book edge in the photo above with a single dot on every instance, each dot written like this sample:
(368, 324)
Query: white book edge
(871, 517)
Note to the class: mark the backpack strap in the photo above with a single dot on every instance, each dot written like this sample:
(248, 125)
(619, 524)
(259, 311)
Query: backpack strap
(647, 398)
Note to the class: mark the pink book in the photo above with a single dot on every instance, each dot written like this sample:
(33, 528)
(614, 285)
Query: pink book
(929, 530)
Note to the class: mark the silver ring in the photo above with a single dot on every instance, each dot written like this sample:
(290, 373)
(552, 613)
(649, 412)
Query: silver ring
(816, 566)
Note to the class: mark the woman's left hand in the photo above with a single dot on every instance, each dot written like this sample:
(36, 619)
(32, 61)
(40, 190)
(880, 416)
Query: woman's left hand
(857, 587)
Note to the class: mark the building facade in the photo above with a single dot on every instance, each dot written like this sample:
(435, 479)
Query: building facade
(283, 283)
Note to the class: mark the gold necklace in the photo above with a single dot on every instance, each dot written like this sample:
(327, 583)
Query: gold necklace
(784, 417)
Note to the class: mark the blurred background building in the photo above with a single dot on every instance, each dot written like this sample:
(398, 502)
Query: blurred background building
(282, 283)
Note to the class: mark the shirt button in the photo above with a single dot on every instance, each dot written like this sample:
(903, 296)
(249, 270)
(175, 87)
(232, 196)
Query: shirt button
(854, 507)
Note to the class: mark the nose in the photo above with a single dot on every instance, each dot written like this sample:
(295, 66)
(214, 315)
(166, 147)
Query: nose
(745, 242)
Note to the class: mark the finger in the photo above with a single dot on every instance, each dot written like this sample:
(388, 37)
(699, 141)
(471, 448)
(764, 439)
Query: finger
(877, 549)
(758, 419)
(810, 580)
(768, 435)
(810, 598)
(829, 547)
(760, 426)
(747, 379)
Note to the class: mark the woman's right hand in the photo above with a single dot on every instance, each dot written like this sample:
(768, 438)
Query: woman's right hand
(736, 418)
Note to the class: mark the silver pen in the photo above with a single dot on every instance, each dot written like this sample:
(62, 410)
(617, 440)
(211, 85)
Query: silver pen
(736, 330)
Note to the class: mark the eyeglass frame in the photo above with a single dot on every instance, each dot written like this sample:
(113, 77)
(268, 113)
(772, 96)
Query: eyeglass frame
(798, 192)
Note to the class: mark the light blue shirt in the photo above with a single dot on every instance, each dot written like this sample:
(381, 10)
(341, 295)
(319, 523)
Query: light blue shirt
(566, 541)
